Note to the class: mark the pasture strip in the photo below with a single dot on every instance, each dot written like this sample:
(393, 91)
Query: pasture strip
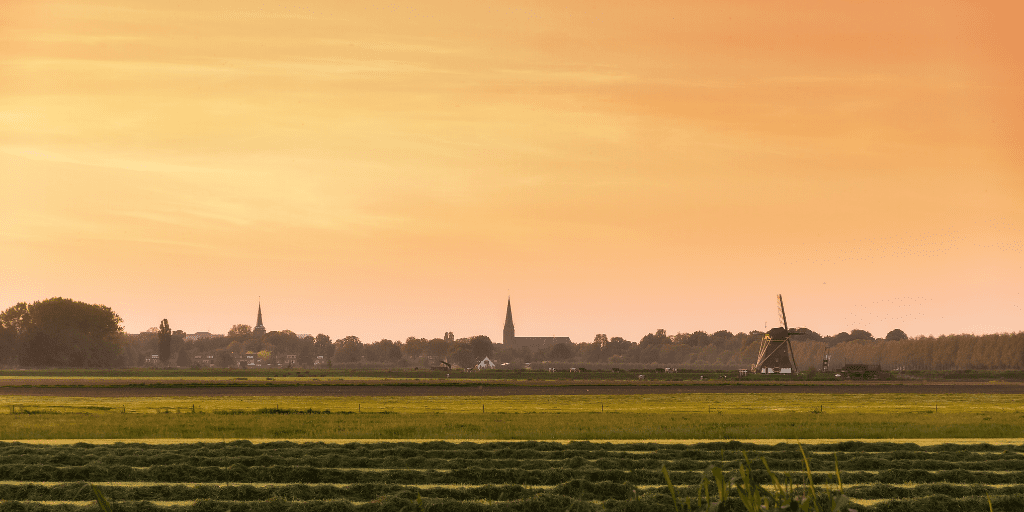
(676, 403)
(921, 442)
(487, 426)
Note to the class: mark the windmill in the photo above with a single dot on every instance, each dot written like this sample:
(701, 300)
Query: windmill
(776, 353)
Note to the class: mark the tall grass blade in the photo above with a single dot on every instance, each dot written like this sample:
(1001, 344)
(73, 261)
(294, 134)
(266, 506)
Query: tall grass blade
(839, 479)
(101, 500)
(810, 479)
(723, 490)
(775, 482)
(749, 496)
(671, 489)
(706, 491)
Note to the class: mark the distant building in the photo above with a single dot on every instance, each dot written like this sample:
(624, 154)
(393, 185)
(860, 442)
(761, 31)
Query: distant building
(201, 336)
(259, 330)
(204, 361)
(509, 338)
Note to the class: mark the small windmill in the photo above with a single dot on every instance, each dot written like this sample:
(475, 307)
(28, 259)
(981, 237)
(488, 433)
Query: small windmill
(776, 353)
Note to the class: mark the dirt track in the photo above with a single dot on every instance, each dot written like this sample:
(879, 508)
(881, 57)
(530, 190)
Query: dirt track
(509, 390)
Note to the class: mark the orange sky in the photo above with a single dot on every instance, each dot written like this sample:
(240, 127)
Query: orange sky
(398, 169)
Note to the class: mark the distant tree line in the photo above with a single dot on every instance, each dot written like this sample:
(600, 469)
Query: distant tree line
(287, 349)
(724, 350)
(65, 333)
(948, 352)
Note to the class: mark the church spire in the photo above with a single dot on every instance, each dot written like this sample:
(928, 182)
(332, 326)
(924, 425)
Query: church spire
(509, 334)
(259, 329)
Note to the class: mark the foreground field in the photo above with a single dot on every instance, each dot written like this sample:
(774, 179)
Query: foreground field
(166, 466)
(685, 416)
(440, 475)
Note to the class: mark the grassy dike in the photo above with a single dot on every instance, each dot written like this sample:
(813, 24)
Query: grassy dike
(582, 426)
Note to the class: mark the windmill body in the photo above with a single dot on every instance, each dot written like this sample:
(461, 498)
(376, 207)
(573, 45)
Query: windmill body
(776, 353)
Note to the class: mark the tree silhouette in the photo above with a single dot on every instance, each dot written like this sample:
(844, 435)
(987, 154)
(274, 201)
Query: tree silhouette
(240, 330)
(348, 350)
(481, 347)
(896, 335)
(64, 333)
(164, 345)
(560, 352)
(860, 334)
(323, 346)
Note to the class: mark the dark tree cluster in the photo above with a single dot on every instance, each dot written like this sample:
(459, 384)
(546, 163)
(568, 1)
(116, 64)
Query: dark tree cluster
(414, 351)
(275, 348)
(61, 333)
(285, 348)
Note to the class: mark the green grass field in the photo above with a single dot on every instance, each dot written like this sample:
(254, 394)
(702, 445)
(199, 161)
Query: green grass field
(680, 416)
(688, 403)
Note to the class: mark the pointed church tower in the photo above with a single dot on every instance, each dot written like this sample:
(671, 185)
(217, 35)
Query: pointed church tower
(508, 336)
(259, 329)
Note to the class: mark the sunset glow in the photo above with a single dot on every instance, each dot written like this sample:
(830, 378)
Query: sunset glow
(394, 169)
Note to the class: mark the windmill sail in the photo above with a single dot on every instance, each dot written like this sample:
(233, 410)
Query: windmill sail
(782, 314)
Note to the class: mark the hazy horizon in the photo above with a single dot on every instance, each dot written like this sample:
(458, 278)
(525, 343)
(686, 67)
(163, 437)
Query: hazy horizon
(497, 338)
(400, 170)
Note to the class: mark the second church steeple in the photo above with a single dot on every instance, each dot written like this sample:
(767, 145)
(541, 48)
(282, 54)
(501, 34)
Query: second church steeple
(508, 336)
(259, 329)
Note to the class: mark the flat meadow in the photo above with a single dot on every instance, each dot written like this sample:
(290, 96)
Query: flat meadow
(530, 417)
(446, 448)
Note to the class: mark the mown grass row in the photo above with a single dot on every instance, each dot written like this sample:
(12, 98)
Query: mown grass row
(300, 492)
(522, 455)
(629, 462)
(509, 448)
(544, 449)
(580, 489)
(469, 475)
(541, 503)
